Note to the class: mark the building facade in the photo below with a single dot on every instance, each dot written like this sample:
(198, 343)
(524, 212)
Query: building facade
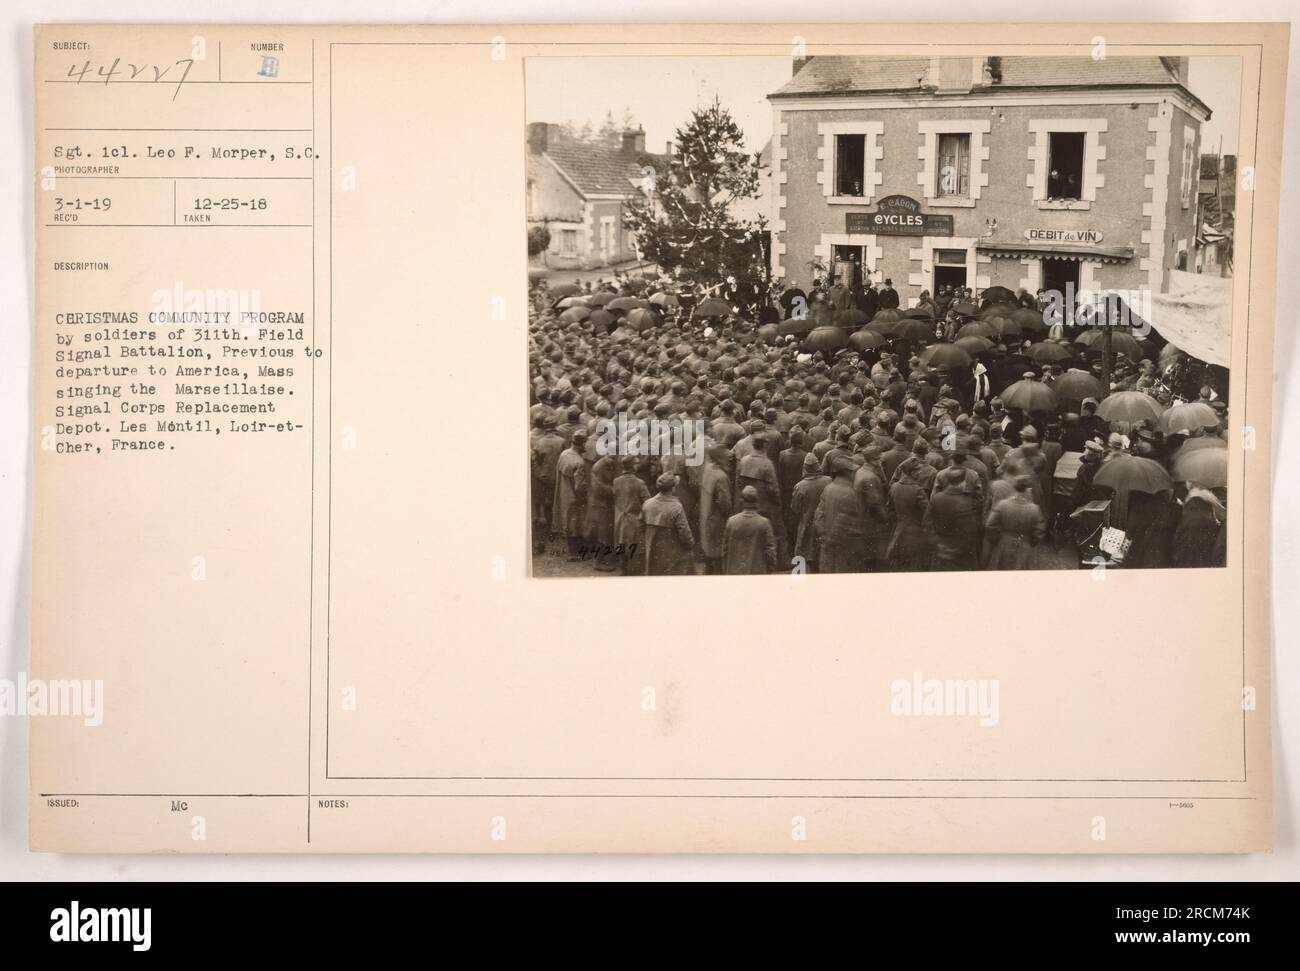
(1022, 172)
(579, 191)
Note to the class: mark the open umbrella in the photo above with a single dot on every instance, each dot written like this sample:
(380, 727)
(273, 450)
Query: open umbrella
(974, 345)
(888, 314)
(575, 314)
(1132, 473)
(565, 290)
(885, 327)
(641, 319)
(1189, 417)
(621, 303)
(575, 301)
(919, 313)
(600, 299)
(1004, 326)
(913, 330)
(853, 317)
(713, 307)
(997, 295)
(1029, 395)
(796, 325)
(1199, 443)
(1029, 320)
(1073, 386)
(977, 328)
(945, 355)
(964, 308)
(1120, 343)
(825, 339)
(601, 318)
(865, 340)
(1129, 406)
(1206, 467)
(1048, 352)
(768, 333)
(665, 300)
(999, 309)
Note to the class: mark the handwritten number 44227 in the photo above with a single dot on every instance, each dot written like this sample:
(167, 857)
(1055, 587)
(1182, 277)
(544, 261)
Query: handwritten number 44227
(87, 73)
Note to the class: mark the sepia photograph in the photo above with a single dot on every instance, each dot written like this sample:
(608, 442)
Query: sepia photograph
(854, 314)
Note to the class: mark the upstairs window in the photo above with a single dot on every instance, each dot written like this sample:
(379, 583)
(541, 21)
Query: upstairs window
(1065, 160)
(850, 164)
(952, 175)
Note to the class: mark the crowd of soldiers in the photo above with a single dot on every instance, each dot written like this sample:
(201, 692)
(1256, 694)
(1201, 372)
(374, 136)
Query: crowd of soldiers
(831, 463)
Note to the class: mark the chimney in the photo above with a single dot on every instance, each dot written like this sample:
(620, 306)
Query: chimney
(634, 141)
(541, 135)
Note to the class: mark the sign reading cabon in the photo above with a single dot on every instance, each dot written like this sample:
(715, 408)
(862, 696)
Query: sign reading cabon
(898, 216)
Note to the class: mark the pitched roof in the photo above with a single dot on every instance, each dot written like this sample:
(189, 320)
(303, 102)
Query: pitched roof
(870, 75)
(595, 169)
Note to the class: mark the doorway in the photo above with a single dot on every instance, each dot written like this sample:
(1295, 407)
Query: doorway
(949, 269)
(1058, 275)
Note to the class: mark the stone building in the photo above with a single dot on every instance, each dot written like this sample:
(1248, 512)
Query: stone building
(1023, 172)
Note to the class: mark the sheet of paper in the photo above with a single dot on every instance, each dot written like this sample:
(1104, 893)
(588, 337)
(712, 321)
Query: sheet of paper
(319, 566)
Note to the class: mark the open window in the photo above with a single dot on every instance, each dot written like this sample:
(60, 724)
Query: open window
(1065, 161)
(846, 268)
(952, 174)
(850, 164)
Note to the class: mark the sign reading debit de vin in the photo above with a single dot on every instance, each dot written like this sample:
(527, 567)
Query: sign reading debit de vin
(898, 216)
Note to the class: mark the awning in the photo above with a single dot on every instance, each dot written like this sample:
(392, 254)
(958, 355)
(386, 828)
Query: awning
(1196, 315)
(1057, 251)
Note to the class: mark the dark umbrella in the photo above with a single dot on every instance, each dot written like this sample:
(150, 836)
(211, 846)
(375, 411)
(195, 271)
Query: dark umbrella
(575, 314)
(622, 303)
(825, 339)
(999, 308)
(665, 299)
(865, 340)
(976, 328)
(713, 307)
(919, 313)
(1073, 386)
(913, 330)
(1132, 473)
(602, 298)
(1048, 352)
(888, 315)
(1029, 395)
(945, 355)
(1120, 343)
(1003, 325)
(796, 325)
(974, 345)
(853, 317)
(964, 308)
(641, 319)
(601, 318)
(768, 333)
(1129, 406)
(997, 295)
(1031, 320)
